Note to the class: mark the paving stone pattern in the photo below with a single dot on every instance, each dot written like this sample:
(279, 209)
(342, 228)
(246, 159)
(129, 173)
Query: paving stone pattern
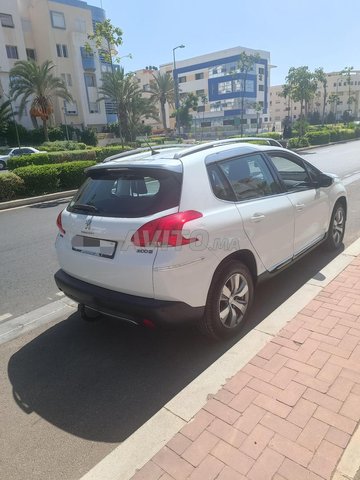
(290, 412)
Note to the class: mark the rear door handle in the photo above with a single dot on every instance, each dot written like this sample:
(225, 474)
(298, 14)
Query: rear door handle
(257, 217)
(300, 206)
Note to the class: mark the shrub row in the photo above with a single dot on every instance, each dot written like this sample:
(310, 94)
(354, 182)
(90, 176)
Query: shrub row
(62, 145)
(298, 142)
(42, 179)
(326, 135)
(96, 154)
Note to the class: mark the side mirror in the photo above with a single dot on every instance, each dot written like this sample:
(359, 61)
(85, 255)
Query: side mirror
(324, 180)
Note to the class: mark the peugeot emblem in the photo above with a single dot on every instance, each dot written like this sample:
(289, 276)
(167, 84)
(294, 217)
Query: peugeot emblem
(88, 223)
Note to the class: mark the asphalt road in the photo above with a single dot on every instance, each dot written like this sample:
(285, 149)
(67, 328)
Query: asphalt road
(70, 392)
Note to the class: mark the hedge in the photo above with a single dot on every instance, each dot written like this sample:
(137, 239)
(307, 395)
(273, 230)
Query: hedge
(298, 142)
(11, 186)
(50, 158)
(105, 152)
(42, 179)
(62, 145)
(318, 138)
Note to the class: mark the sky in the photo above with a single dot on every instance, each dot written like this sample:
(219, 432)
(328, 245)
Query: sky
(315, 33)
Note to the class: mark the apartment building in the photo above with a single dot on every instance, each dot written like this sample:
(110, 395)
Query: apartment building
(56, 30)
(218, 82)
(282, 109)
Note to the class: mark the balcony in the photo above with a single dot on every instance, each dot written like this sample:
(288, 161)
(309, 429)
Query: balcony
(88, 60)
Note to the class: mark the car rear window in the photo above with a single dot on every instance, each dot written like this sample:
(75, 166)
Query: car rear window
(128, 194)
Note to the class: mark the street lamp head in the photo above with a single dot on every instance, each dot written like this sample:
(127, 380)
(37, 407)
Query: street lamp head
(181, 46)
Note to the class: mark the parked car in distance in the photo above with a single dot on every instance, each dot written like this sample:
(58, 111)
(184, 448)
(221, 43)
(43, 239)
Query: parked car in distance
(184, 234)
(16, 152)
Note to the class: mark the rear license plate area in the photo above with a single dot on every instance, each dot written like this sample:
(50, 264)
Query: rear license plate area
(94, 246)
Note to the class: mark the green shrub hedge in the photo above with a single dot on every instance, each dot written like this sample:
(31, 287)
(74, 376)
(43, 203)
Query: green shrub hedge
(318, 138)
(298, 142)
(104, 152)
(62, 145)
(50, 158)
(42, 179)
(11, 186)
(274, 135)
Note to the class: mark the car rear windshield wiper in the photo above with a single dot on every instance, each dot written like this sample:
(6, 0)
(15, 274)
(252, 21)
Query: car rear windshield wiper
(85, 207)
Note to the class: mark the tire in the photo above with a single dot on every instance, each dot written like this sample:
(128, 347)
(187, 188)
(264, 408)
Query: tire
(223, 318)
(336, 230)
(2, 165)
(87, 314)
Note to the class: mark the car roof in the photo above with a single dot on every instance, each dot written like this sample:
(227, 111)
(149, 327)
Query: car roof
(171, 155)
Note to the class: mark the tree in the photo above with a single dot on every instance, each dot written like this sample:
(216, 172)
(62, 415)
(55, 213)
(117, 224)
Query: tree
(106, 38)
(303, 85)
(246, 63)
(258, 107)
(5, 115)
(286, 93)
(321, 77)
(334, 101)
(124, 92)
(189, 102)
(347, 74)
(29, 80)
(162, 90)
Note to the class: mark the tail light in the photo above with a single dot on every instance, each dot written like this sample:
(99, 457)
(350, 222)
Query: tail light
(165, 231)
(59, 223)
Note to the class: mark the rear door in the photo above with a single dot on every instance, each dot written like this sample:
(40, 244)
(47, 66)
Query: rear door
(266, 212)
(102, 218)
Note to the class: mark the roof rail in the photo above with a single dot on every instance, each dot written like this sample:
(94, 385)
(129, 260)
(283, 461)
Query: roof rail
(218, 143)
(154, 150)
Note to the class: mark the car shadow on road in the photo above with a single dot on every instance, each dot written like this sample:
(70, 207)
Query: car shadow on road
(50, 204)
(101, 381)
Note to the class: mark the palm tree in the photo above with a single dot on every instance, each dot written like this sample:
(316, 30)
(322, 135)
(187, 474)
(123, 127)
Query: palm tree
(321, 77)
(162, 90)
(124, 92)
(5, 115)
(29, 80)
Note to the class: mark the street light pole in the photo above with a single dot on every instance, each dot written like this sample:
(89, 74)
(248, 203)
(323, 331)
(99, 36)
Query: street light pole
(176, 87)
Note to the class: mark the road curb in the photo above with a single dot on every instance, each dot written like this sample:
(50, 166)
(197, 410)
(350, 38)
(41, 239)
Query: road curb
(122, 463)
(349, 464)
(311, 147)
(33, 200)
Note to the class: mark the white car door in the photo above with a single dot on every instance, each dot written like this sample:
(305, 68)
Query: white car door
(311, 206)
(266, 212)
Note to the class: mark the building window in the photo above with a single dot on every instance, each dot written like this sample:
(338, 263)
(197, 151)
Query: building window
(261, 71)
(12, 51)
(261, 88)
(90, 80)
(69, 79)
(61, 50)
(205, 124)
(224, 87)
(70, 108)
(253, 121)
(199, 76)
(6, 20)
(80, 25)
(31, 54)
(201, 108)
(146, 87)
(228, 122)
(57, 20)
(200, 92)
(182, 79)
(93, 107)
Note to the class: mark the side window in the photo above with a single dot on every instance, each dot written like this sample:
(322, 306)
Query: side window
(249, 177)
(220, 188)
(292, 173)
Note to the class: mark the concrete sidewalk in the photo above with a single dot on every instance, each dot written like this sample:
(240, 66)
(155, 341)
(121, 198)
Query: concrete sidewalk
(291, 412)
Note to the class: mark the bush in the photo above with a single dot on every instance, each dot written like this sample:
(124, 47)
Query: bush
(62, 145)
(318, 138)
(298, 142)
(42, 179)
(50, 158)
(11, 186)
(104, 152)
(88, 136)
(71, 175)
(38, 179)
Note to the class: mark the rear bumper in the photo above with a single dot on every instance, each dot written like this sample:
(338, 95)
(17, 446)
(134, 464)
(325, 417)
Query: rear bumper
(127, 307)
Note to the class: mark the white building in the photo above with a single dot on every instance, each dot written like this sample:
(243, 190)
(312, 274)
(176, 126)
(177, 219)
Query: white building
(56, 30)
(216, 77)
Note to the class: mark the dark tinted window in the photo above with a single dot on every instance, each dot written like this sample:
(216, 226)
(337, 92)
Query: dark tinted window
(219, 185)
(128, 193)
(249, 177)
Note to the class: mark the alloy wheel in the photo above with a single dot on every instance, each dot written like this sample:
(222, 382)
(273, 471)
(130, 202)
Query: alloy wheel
(338, 226)
(234, 300)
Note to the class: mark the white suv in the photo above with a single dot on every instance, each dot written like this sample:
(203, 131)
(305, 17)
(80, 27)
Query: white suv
(184, 234)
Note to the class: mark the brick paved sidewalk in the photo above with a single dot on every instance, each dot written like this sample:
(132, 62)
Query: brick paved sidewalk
(290, 412)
